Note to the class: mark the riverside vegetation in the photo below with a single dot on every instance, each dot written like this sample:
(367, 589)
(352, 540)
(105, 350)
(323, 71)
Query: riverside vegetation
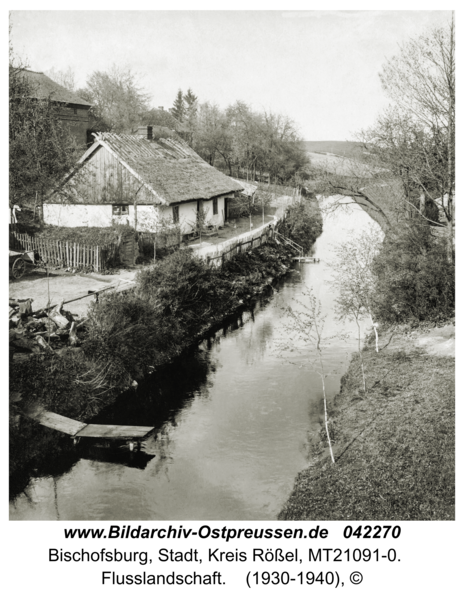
(174, 304)
(393, 421)
(393, 428)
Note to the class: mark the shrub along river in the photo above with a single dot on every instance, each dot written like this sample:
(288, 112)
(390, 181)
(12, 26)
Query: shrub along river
(234, 417)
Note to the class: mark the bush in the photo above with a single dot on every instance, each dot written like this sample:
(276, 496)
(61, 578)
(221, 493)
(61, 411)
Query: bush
(414, 279)
(51, 382)
(126, 336)
(185, 288)
(303, 224)
(92, 236)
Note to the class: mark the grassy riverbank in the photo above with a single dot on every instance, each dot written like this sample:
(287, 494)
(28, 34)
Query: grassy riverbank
(394, 444)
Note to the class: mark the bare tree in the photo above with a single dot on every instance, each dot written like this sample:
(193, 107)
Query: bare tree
(349, 180)
(41, 148)
(118, 100)
(412, 142)
(420, 80)
(307, 325)
(247, 205)
(413, 156)
(355, 282)
(65, 78)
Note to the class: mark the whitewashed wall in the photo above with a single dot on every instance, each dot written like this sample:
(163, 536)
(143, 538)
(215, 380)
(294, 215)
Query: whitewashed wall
(147, 217)
(101, 215)
(188, 214)
(215, 219)
(78, 215)
(98, 215)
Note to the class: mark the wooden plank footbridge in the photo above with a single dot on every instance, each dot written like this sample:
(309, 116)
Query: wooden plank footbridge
(306, 259)
(76, 429)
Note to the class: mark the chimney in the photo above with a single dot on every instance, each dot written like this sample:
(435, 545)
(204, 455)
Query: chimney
(145, 131)
(161, 107)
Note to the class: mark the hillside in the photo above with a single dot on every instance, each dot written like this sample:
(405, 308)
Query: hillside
(334, 147)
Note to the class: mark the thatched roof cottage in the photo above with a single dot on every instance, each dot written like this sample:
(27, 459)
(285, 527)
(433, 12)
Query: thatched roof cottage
(141, 181)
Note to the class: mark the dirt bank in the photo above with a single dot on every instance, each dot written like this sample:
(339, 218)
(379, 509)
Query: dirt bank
(394, 444)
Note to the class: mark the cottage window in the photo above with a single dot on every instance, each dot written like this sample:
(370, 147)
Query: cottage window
(120, 209)
(175, 214)
(215, 206)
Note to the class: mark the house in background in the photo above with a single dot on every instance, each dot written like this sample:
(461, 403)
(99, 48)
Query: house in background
(140, 181)
(73, 111)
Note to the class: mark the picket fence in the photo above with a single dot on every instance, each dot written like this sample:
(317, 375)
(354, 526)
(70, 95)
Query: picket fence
(64, 254)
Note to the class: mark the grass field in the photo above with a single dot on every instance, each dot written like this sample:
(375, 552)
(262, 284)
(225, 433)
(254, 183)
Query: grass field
(334, 147)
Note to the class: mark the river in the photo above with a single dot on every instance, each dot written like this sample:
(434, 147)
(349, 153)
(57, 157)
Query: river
(234, 418)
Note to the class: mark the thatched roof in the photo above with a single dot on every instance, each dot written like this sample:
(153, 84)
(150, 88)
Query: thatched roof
(169, 168)
(44, 87)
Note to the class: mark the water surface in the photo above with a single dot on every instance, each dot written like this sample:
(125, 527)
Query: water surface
(234, 419)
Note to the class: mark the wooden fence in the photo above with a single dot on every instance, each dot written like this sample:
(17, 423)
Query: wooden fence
(289, 242)
(148, 241)
(64, 254)
(220, 253)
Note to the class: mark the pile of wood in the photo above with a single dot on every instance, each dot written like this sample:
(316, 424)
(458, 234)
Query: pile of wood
(51, 330)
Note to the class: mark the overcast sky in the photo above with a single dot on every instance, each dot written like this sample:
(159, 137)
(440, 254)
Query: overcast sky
(318, 67)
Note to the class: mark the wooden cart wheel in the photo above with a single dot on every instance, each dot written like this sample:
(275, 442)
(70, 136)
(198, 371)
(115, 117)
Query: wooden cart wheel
(19, 268)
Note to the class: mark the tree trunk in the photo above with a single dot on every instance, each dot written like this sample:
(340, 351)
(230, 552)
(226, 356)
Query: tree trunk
(422, 203)
(450, 241)
(451, 147)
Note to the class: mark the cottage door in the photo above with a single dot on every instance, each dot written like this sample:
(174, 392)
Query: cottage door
(129, 250)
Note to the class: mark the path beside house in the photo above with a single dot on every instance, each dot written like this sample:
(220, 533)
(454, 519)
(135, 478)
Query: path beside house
(66, 286)
(234, 228)
(62, 285)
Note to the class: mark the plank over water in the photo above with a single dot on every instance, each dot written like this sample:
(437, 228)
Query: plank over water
(114, 431)
(306, 259)
(79, 429)
(57, 422)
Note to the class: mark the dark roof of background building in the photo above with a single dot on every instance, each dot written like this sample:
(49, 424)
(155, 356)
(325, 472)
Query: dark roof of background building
(44, 87)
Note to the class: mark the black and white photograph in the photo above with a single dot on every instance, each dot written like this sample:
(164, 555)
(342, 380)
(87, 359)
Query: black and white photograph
(190, 283)
(232, 275)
